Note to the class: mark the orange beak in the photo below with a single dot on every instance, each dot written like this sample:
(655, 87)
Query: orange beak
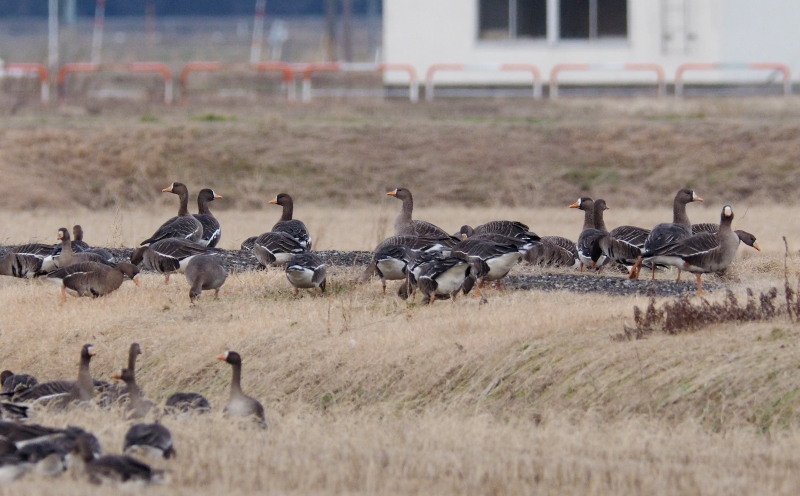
(117, 375)
(755, 245)
(274, 201)
(392, 193)
(217, 197)
(168, 189)
(221, 357)
(575, 205)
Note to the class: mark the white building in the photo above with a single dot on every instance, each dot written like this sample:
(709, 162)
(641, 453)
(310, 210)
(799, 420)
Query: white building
(546, 33)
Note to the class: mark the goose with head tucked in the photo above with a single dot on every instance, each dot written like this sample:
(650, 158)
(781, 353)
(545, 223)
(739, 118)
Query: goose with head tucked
(212, 232)
(204, 273)
(182, 226)
(405, 225)
(306, 271)
(294, 227)
(149, 439)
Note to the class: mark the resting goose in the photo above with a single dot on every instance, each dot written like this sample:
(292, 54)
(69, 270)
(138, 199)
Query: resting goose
(306, 271)
(113, 468)
(667, 233)
(294, 227)
(62, 393)
(11, 382)
(501, 231)
(184, 225)
(239, 404)
(491, 261)
(187, 402)
(68, 257)
(92, 278)
(205, 272)
(25, 261)
(137, 405)
(78, 244)
(167, 256)
(212, 232)
(405, 225)
(555, 251)
(275, 248)
(152, 440)
(704, 252)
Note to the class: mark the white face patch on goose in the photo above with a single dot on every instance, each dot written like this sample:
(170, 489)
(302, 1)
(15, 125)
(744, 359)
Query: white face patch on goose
(727, 211)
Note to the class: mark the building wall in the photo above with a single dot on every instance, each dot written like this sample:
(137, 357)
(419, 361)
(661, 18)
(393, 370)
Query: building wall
(427, 32)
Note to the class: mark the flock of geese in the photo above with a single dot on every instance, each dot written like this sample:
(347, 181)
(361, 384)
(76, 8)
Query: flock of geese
(26, 447)
(424, 256)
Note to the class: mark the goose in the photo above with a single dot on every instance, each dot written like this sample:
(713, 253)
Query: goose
(212, 232)
(187, 402)
(204, 272)
(43, 457)
(499, 230)
(152, 440)
(667, 233)
(275, 248)
(704, 252)
(624, 244)
(441, 277)
(395, 252)
(184, 225)
(556, 251)
(391, 263)
(294, 227)
(13, 411)
(587, 246)
(114, 468)
(239, 404)
(12, 382)
(167, 255)
(92, 278)
(405, 225)
(78, 244)
(68, 257)
(137, 405)
(495, 260)
(745, 237)
(306, 271)
(134, 350)
(25, 261)
(64, 392)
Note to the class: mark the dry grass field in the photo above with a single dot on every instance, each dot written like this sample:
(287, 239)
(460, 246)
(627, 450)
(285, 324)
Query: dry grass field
(368, 394)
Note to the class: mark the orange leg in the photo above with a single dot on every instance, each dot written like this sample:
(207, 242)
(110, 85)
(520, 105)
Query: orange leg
(63, 293)
(679, 276)
(699, 284)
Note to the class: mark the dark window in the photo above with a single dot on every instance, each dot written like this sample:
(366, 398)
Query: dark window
(504, 19)
(612, 18)
(592, 19)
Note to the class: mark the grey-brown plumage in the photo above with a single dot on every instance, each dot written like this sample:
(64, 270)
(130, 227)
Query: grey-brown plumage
(12, 382)
(204, 273)
(240, 404)
(440, 276)
(555, 251)
(506, 228)
(704, 252)
(294, 227)
(491, 261)
(624, 244)
(167, 256)
(588, 243)
(62, 393)
(20, 264)
(68, 257)
(306, 271)
(149, 439)
(92, 278)
(182, 226)
(404, 225)
(710, 227)
(137, 405)
(113, 468)
(186, 403)
(275, 248)
(667, 233)
(212, 231)
(392, 255)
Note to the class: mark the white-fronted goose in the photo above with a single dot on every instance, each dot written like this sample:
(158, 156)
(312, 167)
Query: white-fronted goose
(133, 353)
(504, 228)
(25, 261)
(441, 277)
(78, 244)
(306, 271)
(239, 404)
(624, 244)
(13, 411)
(184, 225)
(667, 233)
(92, 278)
(212, 232)
(204, 273)
(137, 405)
(187, 403)
(498, 258)
(68, 257)
(391, 263)
(555, 251)
(114, 468)
(62, 393)
(167, 256)
(12, 382)
(404, 225)
(388, 251)
(705, 252)
(294, 227)
(710, 227)
(275, 248)
(151, 440)
(588, 246)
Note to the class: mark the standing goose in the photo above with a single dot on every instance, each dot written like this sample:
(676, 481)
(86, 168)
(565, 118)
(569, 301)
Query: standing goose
(133, 353)
(204, 272)
(113, 468)
(705, 252)
(494, 260)
(405, 225)
(624, 244)
(441, 277)
(709, 227)
(275, 248)
(67, 256)
(667, 233)
(212, 232)
(306, 271)
(588, 246)
(239, 404)
(294, 227)
(78, 244)
(184, 225)
(63, 392)
(152, 440)
(92, 278)
(392, 255)
(167, 256)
